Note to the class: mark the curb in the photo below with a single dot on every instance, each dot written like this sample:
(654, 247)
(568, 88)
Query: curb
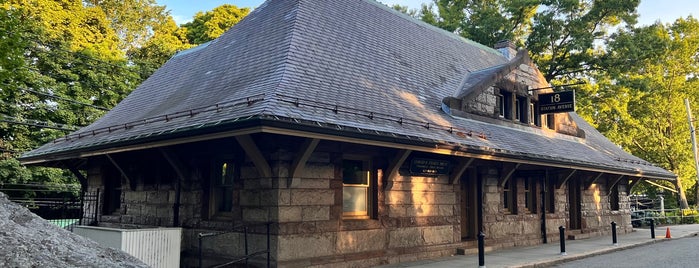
(547, 263)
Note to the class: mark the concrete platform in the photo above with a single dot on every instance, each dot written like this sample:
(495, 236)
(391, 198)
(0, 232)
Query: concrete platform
(549, 254)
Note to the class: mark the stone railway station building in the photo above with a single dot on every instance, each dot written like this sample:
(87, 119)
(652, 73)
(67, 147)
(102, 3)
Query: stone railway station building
(364, 136)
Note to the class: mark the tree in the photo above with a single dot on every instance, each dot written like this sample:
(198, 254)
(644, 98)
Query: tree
(65, 69)
(560, 35)
(638, 101)
(167, 39)
(134, 21)
(211, 24)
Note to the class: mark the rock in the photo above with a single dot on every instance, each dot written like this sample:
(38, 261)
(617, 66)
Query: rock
(27, 240)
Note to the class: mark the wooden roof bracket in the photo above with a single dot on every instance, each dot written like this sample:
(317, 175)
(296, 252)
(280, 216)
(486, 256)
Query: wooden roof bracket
(175, 164)
(129, 181)
(588, 185)
(299, 163)
(615, 182)
(80, 176)
(460, 168)
(255, 155)
(565, 179)
(508, 169)
(632, 184)
(393, 168)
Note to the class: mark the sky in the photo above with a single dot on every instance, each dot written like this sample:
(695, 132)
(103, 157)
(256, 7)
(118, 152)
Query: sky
(649, 10)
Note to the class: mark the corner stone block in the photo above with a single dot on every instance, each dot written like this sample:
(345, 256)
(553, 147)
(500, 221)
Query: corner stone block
(306, 246)
(290, 214)
(315, 213)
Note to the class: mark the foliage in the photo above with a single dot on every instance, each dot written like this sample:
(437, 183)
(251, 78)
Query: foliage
(637, 76)
(639, 101)
(133, 21)
(209, 25)
(64, 63)
(560, 35)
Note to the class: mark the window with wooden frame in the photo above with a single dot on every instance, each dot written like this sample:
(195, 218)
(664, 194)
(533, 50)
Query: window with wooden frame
(357, 185)
(530, 194)
(224, 195)
(501, 105)
(509, 196)
(505, 100)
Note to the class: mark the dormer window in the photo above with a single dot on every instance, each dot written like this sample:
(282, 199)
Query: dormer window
(505, 104)
(501, 105)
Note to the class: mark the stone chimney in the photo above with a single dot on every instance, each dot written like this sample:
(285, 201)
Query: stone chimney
(507, 48)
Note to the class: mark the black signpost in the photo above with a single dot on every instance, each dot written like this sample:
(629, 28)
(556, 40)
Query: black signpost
(557, 102)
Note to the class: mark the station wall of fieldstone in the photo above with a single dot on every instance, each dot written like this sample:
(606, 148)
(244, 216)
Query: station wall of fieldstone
(416, 217)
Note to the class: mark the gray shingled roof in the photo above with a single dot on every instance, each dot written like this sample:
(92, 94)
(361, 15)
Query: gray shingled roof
(346, 67)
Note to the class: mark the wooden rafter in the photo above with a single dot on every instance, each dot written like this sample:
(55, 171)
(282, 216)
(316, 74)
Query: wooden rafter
(566, 178)
(174, 163)
(177, 167)
(460, 168)
(508, 169)
(299, 163)
(394, 167)
(588, 185)
(616, 181)
(123, 173)
(632, 184)
(255, 155)
(81, 178)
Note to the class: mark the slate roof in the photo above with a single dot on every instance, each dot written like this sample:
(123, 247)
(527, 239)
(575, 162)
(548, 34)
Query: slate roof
(353, 68)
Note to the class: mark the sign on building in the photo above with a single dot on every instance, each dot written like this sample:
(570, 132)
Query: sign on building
(557, 102)
(424, 166)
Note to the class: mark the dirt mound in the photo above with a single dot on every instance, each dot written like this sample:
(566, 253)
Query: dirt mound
(27, 240)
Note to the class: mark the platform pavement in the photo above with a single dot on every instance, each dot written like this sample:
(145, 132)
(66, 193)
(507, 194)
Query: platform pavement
(549, 254)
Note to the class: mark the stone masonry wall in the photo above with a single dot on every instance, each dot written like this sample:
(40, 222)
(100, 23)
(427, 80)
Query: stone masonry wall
(597, 215)
(416, 219)
(499, 225)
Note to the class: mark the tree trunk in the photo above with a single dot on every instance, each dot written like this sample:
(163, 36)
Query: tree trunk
(680, 191)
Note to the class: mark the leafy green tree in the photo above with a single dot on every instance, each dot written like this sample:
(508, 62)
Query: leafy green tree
(134, 21)
(65, 70)
(638, 101)
(209, 25)
(560, 35)
(167, 39)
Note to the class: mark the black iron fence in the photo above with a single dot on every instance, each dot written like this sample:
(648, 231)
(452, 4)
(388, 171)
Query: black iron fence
(62, 205)
(242, 234)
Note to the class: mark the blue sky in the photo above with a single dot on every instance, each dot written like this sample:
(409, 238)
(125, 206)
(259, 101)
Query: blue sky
(649, 10)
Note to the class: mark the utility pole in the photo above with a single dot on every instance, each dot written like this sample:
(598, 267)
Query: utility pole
(694, 144)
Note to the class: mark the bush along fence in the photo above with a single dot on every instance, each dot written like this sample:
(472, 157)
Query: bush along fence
(60, 204)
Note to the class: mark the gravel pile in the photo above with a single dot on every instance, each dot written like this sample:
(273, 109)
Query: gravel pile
(27, 240)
